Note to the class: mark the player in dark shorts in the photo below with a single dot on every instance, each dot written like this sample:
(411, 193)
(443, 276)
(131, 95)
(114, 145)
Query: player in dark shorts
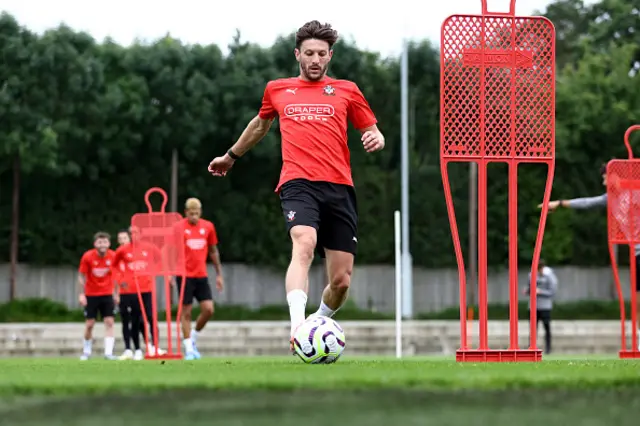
(599, 201)
(316, 188)
(127, 263)
(97, 293)
(129, 307)
(200, 242)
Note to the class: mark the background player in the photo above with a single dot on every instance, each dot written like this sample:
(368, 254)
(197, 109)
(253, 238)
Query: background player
(201, 241)
(316, 188)
(98, 293)
(130, 312)
(139, 266)
(601, 202)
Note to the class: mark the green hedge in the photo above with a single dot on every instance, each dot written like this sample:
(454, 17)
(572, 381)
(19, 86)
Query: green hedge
(45, 310)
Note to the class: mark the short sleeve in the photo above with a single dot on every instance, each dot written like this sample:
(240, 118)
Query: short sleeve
(85, 265)
(359, 112)
(212, 239)
(267, 110)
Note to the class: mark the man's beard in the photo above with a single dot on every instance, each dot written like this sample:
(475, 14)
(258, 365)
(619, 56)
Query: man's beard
(309, 75)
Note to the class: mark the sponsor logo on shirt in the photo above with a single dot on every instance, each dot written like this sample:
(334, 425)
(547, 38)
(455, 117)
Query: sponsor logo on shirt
(309, 112)
(100, 272)
(196, 243)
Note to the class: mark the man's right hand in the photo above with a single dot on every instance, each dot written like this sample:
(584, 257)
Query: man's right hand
(82, 299)
(552, 205)
(219, 166)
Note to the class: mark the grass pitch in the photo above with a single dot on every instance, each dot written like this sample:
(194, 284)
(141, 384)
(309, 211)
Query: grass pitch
(285, 392)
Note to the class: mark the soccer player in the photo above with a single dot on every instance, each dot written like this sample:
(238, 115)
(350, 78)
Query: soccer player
(130, 312)
(98, 293)
(316, 190)
(201, 241)
(129, 262)
(601, 202)
(129, 306)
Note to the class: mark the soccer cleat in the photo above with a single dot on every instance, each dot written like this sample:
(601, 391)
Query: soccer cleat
(151, 350)
(110, 357)
(192, 355)
(84, 357)
(292, 348)
(127, 354)
(138, 356)
(195, 353)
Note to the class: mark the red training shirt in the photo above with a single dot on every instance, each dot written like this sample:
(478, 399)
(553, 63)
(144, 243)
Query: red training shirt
(197, 240)
(142, 260)
(313, 123)
(98, 271)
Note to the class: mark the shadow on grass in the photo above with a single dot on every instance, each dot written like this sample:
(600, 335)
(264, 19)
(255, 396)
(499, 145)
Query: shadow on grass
(352, 408)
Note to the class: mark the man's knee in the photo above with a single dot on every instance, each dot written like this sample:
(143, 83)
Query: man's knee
(206, 308)
(304, 240)
(340, 280)
(89, 324)
(108, 322)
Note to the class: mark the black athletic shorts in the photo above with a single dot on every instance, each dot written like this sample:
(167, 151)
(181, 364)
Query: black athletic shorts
(103, 305)
(197, 288)
(328, 207)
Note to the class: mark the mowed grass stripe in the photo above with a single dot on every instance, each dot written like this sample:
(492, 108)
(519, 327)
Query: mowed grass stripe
(72, 377)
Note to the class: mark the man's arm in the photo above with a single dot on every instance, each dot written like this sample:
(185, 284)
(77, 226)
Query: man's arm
(585, 203)
(82, 279)
(214, 254)
(252, 134)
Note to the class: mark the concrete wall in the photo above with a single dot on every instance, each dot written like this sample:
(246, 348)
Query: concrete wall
(373, 286)
(373, 338)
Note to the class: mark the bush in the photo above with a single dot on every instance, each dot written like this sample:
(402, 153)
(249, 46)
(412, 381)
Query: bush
(45, 310)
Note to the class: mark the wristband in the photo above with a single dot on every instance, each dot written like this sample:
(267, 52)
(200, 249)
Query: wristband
(232, 154)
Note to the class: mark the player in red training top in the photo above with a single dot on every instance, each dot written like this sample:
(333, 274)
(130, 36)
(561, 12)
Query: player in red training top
(98, 293)
(201, 242)
(129, 305)
(316, 189)
(128, 262)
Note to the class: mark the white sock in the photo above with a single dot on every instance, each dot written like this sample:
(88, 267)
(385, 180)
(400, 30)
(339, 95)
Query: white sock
(188, 345)
(325, 311)
(194, 336)
(86, 347)
(297, 300)
(109, 343)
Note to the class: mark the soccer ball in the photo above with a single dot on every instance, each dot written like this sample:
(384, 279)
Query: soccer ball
(319, 340)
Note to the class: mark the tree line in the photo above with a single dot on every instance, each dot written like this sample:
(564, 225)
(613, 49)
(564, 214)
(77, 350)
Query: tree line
(86, 127)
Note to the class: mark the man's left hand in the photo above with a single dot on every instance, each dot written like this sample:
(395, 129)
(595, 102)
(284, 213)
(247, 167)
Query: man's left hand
(372, 141)
(220, 283)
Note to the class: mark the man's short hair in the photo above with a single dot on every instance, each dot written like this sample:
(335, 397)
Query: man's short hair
(123, 231)
(193, 203)
(316, 30)
(100, 235)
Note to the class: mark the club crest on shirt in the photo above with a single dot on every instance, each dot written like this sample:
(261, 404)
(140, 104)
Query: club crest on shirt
(329, 90)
